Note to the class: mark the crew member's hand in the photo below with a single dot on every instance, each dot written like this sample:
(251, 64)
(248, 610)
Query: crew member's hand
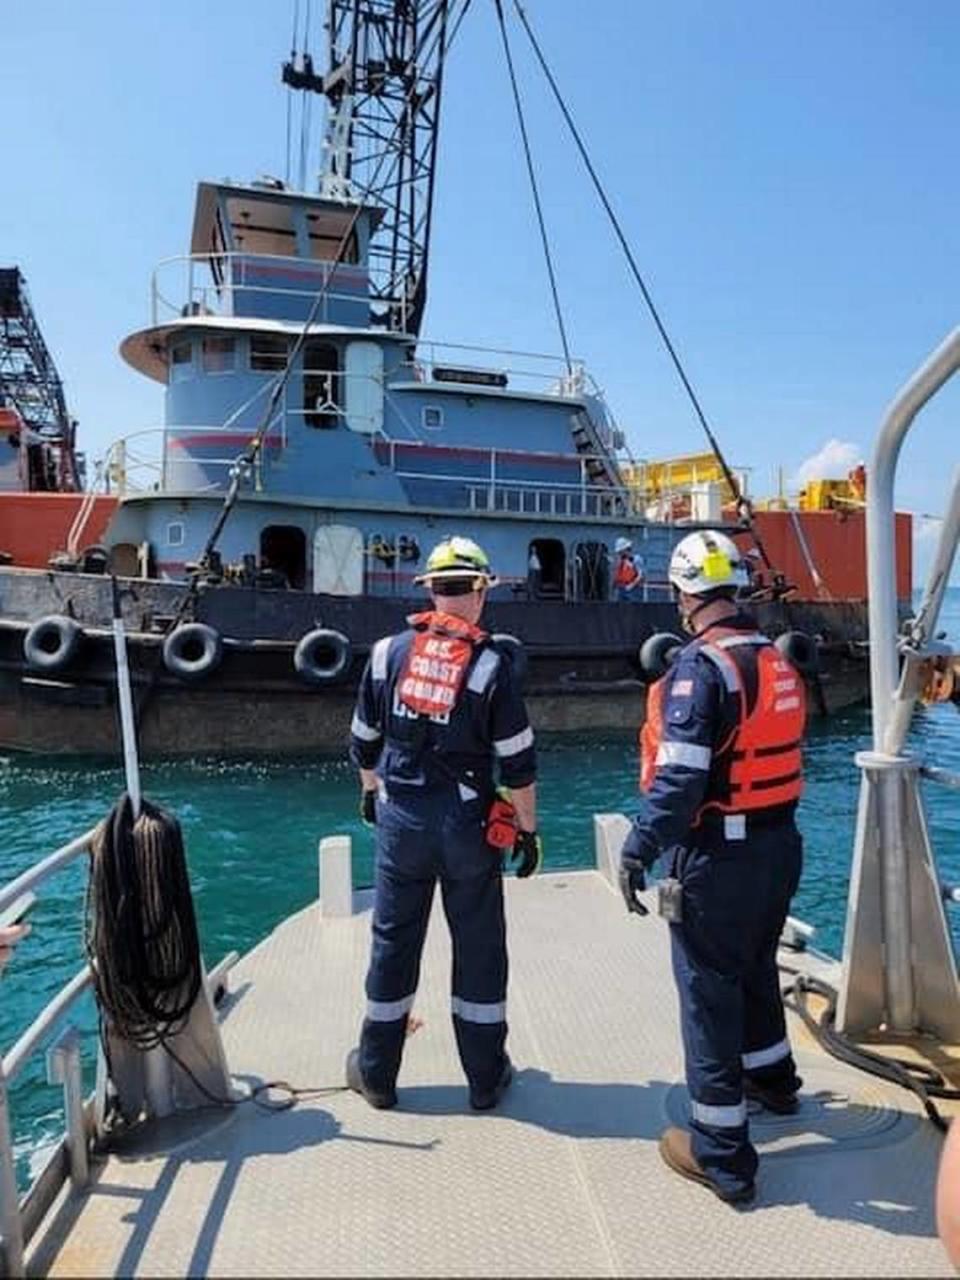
(9, 937)
(635, 859)
(368, 808)
(527, 853)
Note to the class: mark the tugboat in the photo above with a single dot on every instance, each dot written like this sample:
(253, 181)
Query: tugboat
(316, 446)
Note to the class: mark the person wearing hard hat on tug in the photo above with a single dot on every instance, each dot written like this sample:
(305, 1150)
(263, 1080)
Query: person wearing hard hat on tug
(438, 715)
(721, 772)
(627, 573)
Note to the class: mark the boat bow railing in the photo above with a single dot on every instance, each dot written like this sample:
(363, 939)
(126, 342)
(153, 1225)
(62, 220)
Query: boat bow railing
(21, 1216)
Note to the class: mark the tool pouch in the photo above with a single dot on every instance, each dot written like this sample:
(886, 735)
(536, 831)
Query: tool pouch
(670, 900)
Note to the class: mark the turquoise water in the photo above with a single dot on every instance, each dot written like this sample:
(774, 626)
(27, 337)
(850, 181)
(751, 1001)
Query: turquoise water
(252, 830)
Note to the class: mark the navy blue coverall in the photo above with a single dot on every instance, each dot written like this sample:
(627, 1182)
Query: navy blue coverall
(436, 782)
(739, 873)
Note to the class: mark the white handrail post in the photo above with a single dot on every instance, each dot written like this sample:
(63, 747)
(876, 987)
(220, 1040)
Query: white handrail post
(898, 964)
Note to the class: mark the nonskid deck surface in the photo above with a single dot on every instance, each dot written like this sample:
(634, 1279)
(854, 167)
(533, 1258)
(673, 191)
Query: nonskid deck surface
(564, 1179)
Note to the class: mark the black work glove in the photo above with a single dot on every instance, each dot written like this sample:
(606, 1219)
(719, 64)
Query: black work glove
(528, 848)
(368, 808)
(633, 872)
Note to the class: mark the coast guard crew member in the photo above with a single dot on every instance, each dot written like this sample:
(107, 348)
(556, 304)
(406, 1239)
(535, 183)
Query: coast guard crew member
(721, 769)
(437, 713)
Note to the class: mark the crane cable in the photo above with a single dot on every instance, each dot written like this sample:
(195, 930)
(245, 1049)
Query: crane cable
(534, 188)
(744, 508)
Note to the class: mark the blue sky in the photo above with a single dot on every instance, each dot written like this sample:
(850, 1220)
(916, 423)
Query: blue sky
(786, 174)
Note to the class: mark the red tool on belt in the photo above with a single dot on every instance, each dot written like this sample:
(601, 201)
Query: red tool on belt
(502, 825)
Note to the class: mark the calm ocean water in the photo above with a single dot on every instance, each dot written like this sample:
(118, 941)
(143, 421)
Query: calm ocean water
(252, 832)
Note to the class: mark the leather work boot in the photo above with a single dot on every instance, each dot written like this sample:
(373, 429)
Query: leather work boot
(676, 1152)
(481, 1100)
(782, 1102)
(355, 1081)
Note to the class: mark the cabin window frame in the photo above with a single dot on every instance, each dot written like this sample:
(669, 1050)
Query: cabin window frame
(271, 370)
(228, 342)
(181, 370)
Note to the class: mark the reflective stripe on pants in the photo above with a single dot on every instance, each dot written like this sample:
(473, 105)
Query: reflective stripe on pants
(415, 848)
(735, 900)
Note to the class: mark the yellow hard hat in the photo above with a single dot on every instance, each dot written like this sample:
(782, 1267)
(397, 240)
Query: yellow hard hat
(458, 558)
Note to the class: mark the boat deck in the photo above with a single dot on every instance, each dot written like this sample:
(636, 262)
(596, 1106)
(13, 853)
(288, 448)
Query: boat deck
(563, 1179)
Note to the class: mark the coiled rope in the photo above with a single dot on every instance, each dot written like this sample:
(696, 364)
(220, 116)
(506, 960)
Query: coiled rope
(141, 932)
(142, 942)
(920, 1078)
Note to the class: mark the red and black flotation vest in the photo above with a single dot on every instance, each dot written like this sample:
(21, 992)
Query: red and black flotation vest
(759, 765)
(437, 662)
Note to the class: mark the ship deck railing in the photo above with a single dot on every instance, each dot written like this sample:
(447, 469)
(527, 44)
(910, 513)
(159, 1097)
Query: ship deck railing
(199, 293)
(186, 285)
(68, 1158)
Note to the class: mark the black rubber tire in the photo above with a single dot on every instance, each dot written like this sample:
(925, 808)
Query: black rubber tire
(192, 651)
(512, 649)
(52, 643)
(657, 653)
(322, 656)
(800, 650)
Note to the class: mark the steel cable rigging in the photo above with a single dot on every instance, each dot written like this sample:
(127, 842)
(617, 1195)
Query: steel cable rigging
(744, 509)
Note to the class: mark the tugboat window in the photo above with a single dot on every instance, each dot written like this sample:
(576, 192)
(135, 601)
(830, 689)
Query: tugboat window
(591, 571)
(267, 353)
(432, 417)
(546, 569)
(262, 226)
(218, 355)
(175, 532)
(321, 384)
(283, 551)
(325, 231)
(181, 361)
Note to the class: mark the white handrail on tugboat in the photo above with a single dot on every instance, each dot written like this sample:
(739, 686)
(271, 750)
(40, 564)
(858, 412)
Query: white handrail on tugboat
(899, 967)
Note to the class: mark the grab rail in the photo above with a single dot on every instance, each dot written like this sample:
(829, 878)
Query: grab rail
(67, 1068)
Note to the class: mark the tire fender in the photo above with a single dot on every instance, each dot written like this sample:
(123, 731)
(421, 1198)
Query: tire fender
(510, 648)
(52, 642)
(322, 656)
(657, 654)
(192, 651)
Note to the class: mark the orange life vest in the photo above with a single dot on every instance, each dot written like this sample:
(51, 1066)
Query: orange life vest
(626, 572)
(437, 662)
(759, 766)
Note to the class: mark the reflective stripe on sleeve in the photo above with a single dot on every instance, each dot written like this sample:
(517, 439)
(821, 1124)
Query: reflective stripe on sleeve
(766, 1057)
(475, 1011)
(506, 747)
(685, 753)
(389, 1010)
(483, 671)
(719, 1117)
(378, 658)
(360, 729)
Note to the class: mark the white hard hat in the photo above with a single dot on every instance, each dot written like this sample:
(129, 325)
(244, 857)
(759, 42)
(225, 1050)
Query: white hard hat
(622, 544)
(705, 561)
